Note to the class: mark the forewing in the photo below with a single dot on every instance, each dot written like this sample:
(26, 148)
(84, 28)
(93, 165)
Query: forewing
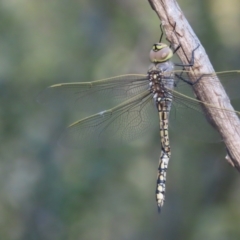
(229, 79)
(89, 94)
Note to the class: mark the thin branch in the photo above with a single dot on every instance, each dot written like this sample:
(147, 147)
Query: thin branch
(178, 31)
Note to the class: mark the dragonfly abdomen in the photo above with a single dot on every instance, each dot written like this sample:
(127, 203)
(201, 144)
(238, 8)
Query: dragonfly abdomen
(161, 81)
(163, 105)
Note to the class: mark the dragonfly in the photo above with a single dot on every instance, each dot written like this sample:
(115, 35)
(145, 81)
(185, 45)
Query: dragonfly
(163, 91)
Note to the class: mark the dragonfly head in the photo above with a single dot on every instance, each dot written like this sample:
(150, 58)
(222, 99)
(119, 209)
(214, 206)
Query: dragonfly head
(160, 52)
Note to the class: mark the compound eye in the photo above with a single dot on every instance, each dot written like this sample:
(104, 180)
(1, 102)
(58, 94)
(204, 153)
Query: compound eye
(160, 53)
(158, 46)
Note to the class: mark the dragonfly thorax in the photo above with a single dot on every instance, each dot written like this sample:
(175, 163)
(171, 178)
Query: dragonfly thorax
(160, 52)
(161, 81)
(160, 84)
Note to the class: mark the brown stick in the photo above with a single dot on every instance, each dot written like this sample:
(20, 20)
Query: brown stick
(172, 17)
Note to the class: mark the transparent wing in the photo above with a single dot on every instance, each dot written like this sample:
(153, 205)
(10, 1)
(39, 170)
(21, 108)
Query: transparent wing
(84, 94)
(187, 116)
(122, 123)
(229, 79)
(133, 116)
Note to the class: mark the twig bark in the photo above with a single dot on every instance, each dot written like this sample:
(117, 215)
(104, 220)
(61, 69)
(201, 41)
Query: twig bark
(172, 17)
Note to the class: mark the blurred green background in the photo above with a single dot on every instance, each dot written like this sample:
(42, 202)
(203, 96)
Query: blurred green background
(51, 192)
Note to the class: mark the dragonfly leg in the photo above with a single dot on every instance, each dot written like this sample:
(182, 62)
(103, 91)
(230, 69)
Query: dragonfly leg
(191, 63)
(161, 36)
(179, 76)
(175, 50)
(170, 43)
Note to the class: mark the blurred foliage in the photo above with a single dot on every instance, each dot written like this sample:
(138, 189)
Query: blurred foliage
(50, 192)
